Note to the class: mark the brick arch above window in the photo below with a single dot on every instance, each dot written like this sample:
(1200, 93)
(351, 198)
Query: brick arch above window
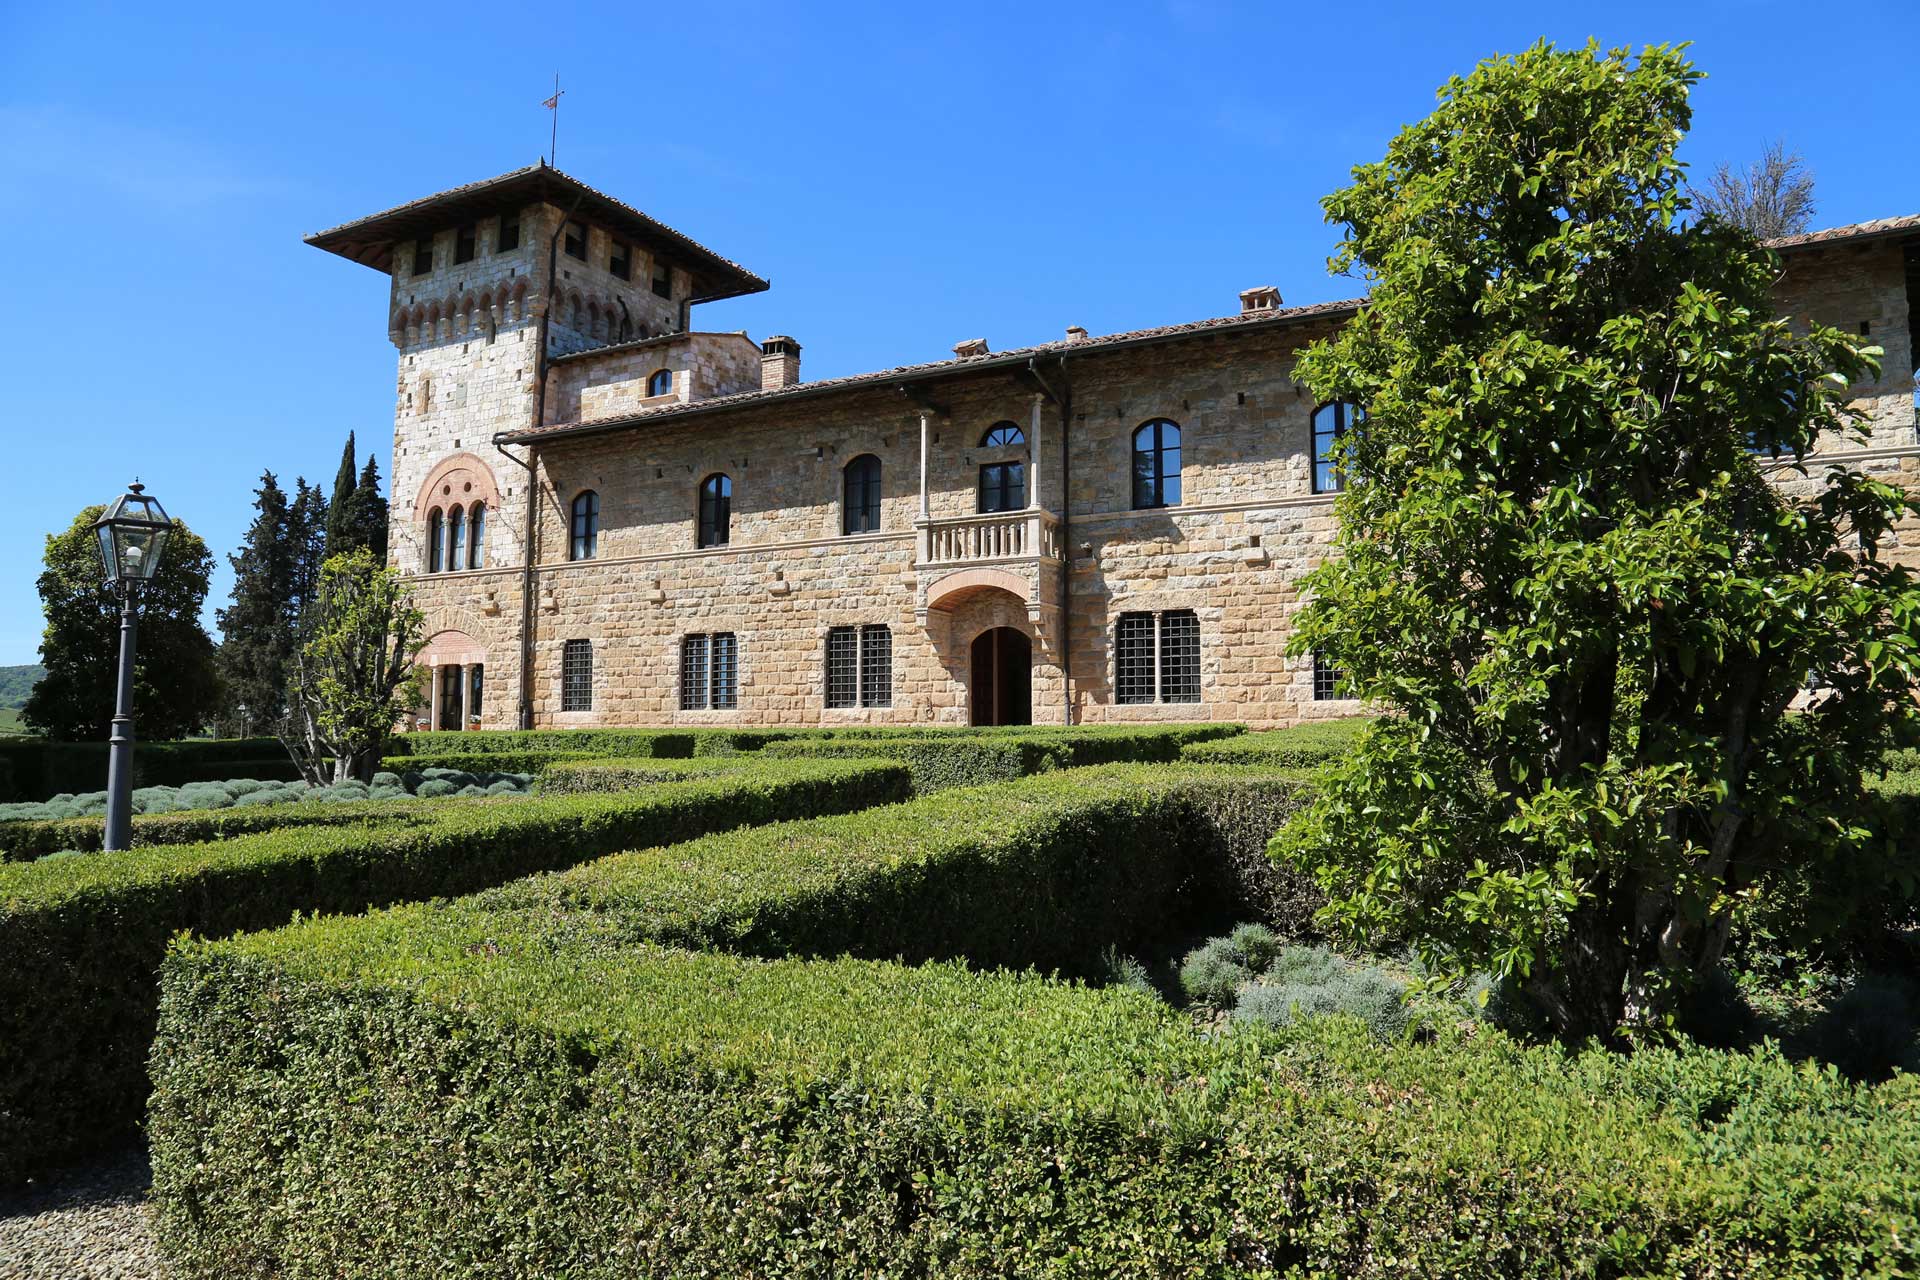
(459, 479)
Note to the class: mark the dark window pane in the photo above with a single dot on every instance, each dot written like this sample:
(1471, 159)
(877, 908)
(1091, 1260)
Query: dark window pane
(843, 665)
(1179, 656)
(1331, 443)
(576, 676)
(620, 260)
(860, 497)
(509, 233)
(477, 537)
(1003, 486)
(436, 542)
(716, 511)
(585, 543)
(1156, 464)
(456, 540)
(423, 255)
(1327, 679)
(662, 279)
(693, 673)
(576, 241)
(660, 383)
(450, 685)
(726, 672)
(876, 667)
(1003, 435)
(476, 687)
(463, 243)
(1133, 658)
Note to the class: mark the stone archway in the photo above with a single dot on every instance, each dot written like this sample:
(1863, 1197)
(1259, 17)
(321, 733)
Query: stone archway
(456, 666)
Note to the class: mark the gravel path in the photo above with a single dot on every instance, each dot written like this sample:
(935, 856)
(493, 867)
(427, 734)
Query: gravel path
(88, 1223)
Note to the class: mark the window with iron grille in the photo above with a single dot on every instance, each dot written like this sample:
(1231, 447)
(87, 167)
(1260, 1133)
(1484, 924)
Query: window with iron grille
(1156, 657)
(463, 243)
(716, 511)
(860, 666)
(576, 675)
(509, 233)
(860, 496)
(1326, 680)
(876, 667)
(585, 543)
(620, 260)
(1331, 443)
(709, 672)
(1133, 658)
(1156, 465)
(423, 255)
(576, 245)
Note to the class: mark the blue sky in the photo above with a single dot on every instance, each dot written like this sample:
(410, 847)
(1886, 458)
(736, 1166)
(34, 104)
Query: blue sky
(906, 177)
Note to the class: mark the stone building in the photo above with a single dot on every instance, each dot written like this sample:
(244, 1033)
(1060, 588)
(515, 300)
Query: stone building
(616, 518)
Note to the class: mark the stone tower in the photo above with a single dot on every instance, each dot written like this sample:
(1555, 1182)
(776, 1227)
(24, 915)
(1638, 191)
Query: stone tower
(489, 282)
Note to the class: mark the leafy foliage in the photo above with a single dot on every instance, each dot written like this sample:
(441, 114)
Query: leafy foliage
(174, 678)
(1562, 567)
(355, 675)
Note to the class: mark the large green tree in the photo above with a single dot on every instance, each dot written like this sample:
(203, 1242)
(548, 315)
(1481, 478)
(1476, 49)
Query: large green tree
(175, 685)
(354, 677)
(1562, 568)
(356, 514)
(257, 629)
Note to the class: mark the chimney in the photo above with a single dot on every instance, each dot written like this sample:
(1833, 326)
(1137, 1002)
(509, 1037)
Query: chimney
(971, 347)
(1263, 298)
(779, 362)
(1076, 333)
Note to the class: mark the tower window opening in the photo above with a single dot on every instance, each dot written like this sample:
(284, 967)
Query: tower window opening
(662, 279)
(620, 260)
(463, 243)
(423, 255)
(576, 243)
(509, 233)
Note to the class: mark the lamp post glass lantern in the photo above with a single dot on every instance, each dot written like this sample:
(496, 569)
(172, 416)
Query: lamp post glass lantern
(133, 534)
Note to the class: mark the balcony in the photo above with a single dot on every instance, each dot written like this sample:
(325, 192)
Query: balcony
(995, 538)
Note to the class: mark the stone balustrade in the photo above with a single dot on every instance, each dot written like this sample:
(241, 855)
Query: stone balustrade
(991, 538)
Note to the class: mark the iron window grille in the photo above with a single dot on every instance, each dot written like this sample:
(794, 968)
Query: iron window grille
(710, 672)
(1156, 465)
(716, 511)
(585, 542)
(1331, 444)
(1327, 679)
(576, 245)
(464, 241)
(1156, 658)
(509, 233)
(860, 496)
(576, 675)
(860, 666)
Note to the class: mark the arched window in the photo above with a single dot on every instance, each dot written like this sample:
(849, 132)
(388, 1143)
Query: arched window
(1003, 435)
(477, 537)
(456, 539)
(716, 510)
(1156, 464)
(436, 541)
(860, 496)
(660, 382)
(1330, 423)
(586, 526)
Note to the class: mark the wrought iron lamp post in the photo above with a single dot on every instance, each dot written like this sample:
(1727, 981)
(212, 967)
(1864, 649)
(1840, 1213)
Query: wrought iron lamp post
(132, 532)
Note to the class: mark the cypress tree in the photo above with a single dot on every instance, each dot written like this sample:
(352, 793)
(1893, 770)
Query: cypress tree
(346, 481)
(255, 640)
(370, 512)
(307, 538)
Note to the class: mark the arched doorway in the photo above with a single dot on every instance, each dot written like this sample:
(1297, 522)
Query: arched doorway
(1001, 677)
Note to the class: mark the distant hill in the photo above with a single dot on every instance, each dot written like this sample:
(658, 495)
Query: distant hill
(15, 684)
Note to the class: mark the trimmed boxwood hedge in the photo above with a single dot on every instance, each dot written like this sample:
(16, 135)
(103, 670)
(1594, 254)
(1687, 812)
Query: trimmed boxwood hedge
(452, 1092)
(670, 743)
(35, 769)
(1043, 871)
(533, 762)
(81, 938)
(1303, 746)
(971, 758)
(585, 777)
(24, 840)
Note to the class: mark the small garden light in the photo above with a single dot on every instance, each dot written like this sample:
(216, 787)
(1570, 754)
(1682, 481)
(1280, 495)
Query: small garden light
(133, 534)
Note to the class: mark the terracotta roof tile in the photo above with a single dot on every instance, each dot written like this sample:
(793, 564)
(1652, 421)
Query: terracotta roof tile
(1857, 231)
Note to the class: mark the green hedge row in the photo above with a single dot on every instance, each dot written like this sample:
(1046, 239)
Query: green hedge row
(670, 743)
(1301, 747)
(454, 1092)
(533, 762)
(964, 760)
(81, 938)
(1042, 871)
(32, 769)
(25, 840)
(585, 777)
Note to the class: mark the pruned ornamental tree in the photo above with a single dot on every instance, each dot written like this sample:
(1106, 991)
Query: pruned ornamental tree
(1631, 682)
(354, 676)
